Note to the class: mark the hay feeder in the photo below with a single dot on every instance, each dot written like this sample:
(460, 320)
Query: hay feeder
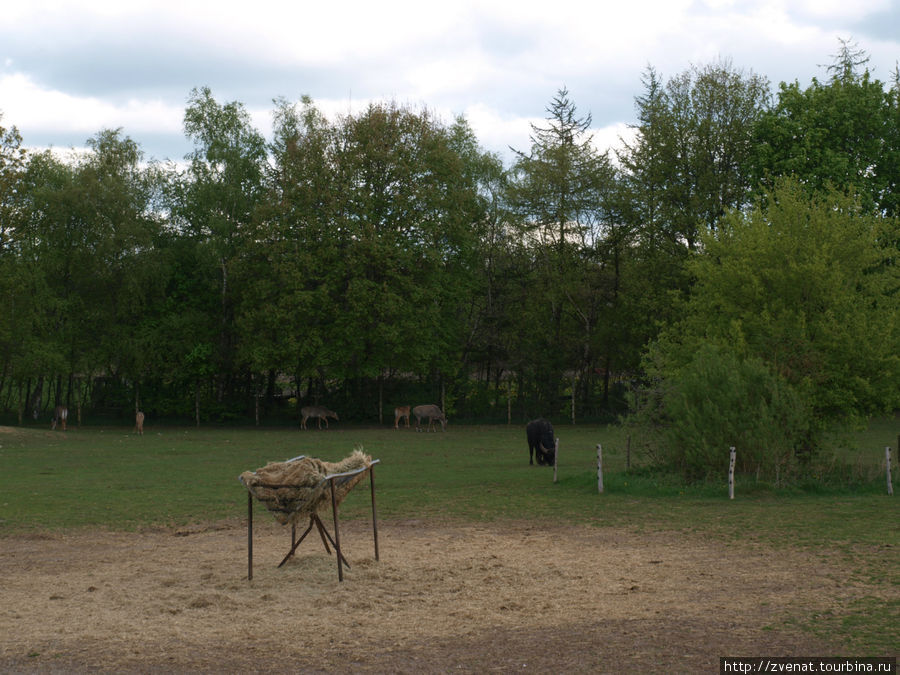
(298, 489)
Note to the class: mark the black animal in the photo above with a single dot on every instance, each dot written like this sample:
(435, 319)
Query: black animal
(541, 443)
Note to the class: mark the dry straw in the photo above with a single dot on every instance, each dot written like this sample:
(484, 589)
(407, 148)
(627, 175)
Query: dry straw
(295, 490)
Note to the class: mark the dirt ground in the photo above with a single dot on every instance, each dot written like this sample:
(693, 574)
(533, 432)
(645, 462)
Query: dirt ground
(443, 597)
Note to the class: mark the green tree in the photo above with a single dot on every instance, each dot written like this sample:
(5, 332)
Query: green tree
(559, 191)
(841, 133)
(280, 304)
(12, 166)
(687, 163)
(718, 400)
(889, 170)
(684, 166)
(124, 276)
(213, 205)
(363, 251)
(17, 311)
(406, 225)
(84, 232)
(804, 286)
(495, 298)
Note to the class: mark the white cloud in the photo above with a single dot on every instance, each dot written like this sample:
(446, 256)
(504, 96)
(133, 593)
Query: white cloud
(74, 67)
(498, 132)
(838, 9)
(28, 106)
(610, 138)
(453, 73)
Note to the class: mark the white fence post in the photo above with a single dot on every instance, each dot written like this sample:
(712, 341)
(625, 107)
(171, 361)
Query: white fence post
(731, 473)
(555, 459)
(887, 463)
(599, 468)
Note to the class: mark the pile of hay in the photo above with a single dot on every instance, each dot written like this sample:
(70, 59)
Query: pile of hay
(296, 489)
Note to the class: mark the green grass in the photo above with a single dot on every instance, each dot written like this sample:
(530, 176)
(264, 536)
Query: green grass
(112, 478)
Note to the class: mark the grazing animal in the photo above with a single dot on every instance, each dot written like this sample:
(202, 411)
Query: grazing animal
(317, 411)
(401, 412)
(429, 413)
(540, 442)
(139, 423)
(60, 415)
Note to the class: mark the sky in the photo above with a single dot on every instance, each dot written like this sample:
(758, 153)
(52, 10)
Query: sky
(71, 69)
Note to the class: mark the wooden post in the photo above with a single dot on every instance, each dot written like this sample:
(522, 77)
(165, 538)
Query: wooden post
(887, 463)
(381, 399)
(731, 473)
(599, 468)
(574, 382)
(555, 459)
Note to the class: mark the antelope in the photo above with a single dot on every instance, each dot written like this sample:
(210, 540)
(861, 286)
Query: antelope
(429, 413)
(401, 412)
(60, 414)
(139, 422)
(317, 411)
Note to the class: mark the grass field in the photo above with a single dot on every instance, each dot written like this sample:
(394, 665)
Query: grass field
(171, 477)
(111, 477)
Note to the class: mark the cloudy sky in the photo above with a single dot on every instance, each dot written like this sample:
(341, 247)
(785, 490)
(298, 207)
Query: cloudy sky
(71, 68)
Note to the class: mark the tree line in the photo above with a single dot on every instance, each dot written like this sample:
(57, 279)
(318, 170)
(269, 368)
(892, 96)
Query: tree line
(384, 258)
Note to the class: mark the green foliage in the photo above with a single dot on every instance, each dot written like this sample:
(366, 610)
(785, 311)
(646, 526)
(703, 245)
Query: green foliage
(717, 401)
(683, 168)
(384, 254)
(687, 163)
(81, 249)
(792, 325)
(363, 257)
(842, 133)
(806, 285)
(562, 193)
(16, 340)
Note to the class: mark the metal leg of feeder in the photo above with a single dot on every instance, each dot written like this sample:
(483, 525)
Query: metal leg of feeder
(249, 537)
(295, 544)
(323, 533)
(337, 532)
(326, 537)
(374, 516)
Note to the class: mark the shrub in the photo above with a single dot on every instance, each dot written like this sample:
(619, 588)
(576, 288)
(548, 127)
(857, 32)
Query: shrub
(719, 400)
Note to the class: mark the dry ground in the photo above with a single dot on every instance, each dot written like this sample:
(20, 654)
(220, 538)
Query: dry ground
(444, 597)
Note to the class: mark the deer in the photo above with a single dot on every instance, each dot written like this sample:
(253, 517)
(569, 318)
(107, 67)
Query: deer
(429, 413)
(60, 414)
(139, 422)
(401, 412)
(317, 411)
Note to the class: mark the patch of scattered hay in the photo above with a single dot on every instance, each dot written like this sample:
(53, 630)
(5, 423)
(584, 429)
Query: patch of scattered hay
(443, 597)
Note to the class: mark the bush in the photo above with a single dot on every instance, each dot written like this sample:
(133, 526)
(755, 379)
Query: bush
(719, 400)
